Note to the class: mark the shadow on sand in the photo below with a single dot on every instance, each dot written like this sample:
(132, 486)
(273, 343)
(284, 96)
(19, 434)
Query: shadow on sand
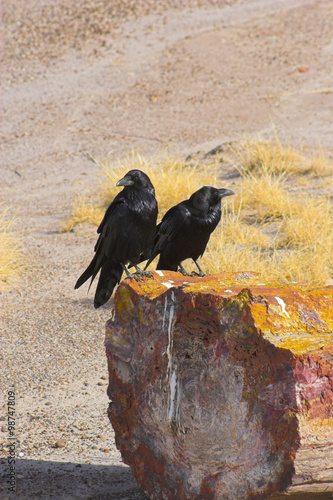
(43, 480)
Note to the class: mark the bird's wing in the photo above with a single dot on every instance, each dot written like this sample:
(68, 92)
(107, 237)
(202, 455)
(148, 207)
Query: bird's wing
(173, 221)
(114, 209)
(113, 218)
(110, 228)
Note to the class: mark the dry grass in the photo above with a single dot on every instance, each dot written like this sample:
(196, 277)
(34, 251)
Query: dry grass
(237, 246)
(265, 195)
(311, 265)
(265, 228)
(259, 157)
(321, 165)
(12, 258)
(301, 249)
(236, 232)
(310, 224)
(308, 232)
(220, 257)
(84, 210)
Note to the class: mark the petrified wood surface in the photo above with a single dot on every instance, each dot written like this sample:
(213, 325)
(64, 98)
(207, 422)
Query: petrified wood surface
(222, 386)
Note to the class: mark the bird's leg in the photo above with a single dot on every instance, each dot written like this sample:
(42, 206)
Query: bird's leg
(128, 274)
(137, 276)
(182, 270)
(200, 273)
(141, 273)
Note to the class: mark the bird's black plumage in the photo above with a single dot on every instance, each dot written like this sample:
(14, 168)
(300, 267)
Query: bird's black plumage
(126, 234)
(186, 228)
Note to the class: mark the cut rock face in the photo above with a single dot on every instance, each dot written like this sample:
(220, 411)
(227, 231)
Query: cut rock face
(213, 380)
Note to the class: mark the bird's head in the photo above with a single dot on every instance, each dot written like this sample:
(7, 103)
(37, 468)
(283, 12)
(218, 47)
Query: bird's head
(136, 179)
(208, 196)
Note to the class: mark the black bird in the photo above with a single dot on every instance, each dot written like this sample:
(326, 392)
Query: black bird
(126, 235)
(186, 228)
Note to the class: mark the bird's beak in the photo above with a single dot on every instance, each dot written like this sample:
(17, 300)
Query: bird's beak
(125, 181)
(225, 192)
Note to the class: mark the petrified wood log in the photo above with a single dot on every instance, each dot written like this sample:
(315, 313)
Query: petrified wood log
(221, 386)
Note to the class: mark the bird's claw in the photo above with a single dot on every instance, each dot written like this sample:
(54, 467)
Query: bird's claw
(138, 277)
(141, 274)
(200, 275)
(183, 271)
(148, 274)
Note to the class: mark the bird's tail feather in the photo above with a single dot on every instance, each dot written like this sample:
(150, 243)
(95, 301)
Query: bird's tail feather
(110, 276)
(86, 274)
(92, 270)
(149, 261)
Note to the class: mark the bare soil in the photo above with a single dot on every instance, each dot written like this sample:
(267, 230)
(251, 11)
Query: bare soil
(100, 80)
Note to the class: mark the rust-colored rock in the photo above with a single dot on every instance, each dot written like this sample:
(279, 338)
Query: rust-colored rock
(219, 384)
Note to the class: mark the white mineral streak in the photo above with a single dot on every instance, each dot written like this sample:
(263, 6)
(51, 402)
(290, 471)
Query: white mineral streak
(173, 381)
(172, 394)
(165, 311)
(174, 398)
(170, 340)
(168, 284)
(283, 305)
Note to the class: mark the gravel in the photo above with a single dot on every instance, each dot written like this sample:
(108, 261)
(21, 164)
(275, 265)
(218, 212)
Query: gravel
(47, 30)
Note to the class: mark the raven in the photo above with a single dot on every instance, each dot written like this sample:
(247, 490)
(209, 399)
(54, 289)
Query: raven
(126, 235)
(185, 229)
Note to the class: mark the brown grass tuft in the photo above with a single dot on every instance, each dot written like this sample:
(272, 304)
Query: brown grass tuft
(84, 210)
(310, 224)
(263, 194)
(261, 157)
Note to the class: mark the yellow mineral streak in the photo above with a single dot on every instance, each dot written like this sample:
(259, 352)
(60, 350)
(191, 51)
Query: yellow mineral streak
(289, 315)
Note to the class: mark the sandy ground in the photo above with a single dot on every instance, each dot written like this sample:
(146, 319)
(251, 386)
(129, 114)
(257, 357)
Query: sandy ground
(186, 76)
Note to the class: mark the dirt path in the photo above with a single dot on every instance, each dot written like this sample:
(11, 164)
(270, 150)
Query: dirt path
(183, 79)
